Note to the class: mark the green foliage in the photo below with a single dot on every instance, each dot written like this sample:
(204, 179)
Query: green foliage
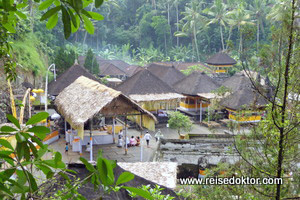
(180, 121)
(154, 192)
(103, 176)
(29, 54)
(91, 62)
(22, 160)
(64, 59)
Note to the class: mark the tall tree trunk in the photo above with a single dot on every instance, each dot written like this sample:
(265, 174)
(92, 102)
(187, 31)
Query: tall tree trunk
(196, 43)
(229, 36)
(222, 39)
(177, 23)
(281, 142)
(165, 36)
(169, 23)
(257, 36)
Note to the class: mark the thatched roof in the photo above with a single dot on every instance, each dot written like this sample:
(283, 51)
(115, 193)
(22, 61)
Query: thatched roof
(145, 86)
(168, 74)
(117, 67)
(84, 98)
(237, 82)
(185, 65)
(68, 77)
(196, 83)
(245, 97)
(220, 59)
(87, 190)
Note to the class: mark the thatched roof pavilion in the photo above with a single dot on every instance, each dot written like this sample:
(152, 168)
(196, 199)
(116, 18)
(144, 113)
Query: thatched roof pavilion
(168, 74)
(221, 59)
(84, 98)
(195, 84)
(68, 77)
(145, 86)
(246, 97)
(237, 82)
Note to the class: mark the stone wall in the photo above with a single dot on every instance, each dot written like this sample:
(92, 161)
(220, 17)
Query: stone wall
(214, 150)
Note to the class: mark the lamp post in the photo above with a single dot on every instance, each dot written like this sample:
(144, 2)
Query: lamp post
(46, 86)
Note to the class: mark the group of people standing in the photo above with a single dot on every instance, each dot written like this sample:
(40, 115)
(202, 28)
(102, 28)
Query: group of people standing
(135, 141)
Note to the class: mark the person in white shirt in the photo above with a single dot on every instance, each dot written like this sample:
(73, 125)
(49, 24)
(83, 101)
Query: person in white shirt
(158, 135)
(147, 138)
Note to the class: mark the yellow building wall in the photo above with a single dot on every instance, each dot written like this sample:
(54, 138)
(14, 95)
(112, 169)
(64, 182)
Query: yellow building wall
(159, 105)
(147, 121)
(245, 118)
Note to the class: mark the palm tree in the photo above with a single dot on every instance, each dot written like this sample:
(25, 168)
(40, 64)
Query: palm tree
(259, 10)
(192, 23)
(239, 17)
(218, 14)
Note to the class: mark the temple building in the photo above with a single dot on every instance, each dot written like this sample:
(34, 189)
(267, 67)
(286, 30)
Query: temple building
(221, 62)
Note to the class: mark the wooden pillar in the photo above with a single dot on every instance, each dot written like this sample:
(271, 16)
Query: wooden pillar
(141, 141)
(91, 140)
(208, 113)
(126, 135)
(200, 110)
(113, 130)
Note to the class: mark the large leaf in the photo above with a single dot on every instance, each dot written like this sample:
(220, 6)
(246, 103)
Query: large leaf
(6, 144)
(67, 22)
(45, 4)
(50, 12)
(88, 25)
(110, 172)
(87, 164)
(73, 28)
(98, 3)
(96, 16)
(7, 129)
(73, 19)
(140, 192)
(124, 178)
(101, 167)
(37, 118)
(77, 5)
(52, 21)
(6, 174)
(13, 120)
(32, 183)
(20, 14)
(39, 131)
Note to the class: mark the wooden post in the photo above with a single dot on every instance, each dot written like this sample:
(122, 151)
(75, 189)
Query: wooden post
(113, 130)
(200, 110)
(141, 141)
(196, 108)
(208, 113)
(126, 135)
(91, 141)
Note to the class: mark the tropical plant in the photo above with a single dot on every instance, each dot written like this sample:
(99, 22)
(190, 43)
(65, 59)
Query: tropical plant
(191, 23)
(217, 14)
(91, 62)
(179, 121)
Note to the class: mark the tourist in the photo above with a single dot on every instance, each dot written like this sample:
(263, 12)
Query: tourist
(147, 138)
(158, 135)
(120, 142)
(137, 141)
(132, 141)
(120, 135)
(67, 148)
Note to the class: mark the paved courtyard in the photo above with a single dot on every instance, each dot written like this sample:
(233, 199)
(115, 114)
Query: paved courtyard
(134, 154)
